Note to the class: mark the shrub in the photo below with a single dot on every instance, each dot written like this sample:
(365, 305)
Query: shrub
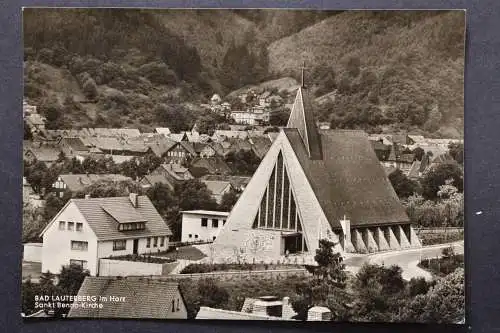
(90, 88)
(158, 72)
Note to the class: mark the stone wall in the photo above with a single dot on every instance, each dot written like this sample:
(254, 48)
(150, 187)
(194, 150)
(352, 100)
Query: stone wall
(110, 267)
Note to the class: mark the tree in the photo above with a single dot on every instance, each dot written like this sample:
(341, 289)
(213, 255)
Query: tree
(279, 118)
(27, 132)
(193, 194)
(35, 174)
(53, 205)
(443, 303)
(71, 278)
(242, 162)
(353, 66)
(438, 176)
(33, 223)
(403, 186)
(419, 153)
(90, 88)
(378, 293)
(228, 200)
(326, 287)
(162, 198)
(457, 152)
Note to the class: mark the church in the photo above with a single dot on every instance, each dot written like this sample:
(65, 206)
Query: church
(315, 184)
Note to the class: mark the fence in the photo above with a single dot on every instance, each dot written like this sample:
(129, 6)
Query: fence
(439, 230)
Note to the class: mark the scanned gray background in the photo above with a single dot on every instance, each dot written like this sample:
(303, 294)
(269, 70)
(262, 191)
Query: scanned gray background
(482, 138)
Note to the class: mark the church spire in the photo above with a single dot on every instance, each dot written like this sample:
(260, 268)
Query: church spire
(302, 70)
(302, 119)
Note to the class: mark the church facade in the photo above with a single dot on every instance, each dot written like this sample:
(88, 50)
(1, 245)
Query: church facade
(311, 185)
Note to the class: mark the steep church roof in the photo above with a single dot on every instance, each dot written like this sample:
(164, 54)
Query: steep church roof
(349, 179)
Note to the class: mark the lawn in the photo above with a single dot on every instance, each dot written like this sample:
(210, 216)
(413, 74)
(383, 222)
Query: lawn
(184, 252)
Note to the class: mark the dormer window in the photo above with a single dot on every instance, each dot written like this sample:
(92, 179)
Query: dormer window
(132, 226)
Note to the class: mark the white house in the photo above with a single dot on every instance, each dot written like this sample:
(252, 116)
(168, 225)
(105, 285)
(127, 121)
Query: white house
(86, 230)
(202, 225)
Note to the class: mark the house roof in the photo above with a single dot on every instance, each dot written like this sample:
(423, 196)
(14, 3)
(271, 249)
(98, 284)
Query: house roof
(205, 212)
(219, 314)
(144, 298)
(215, 186)
(415, 169)
(349, 179)
(78, 182)
(211, 165)
(75, 144)
(236, 181)
(260, 146)
(45, 154)
(104, 214)
(163, 130)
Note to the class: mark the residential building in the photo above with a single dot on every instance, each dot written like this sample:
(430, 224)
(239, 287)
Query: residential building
(168, 174)
(179, 152)
(43, 153)
(74, 183)
(73, 147)
(202, 225)
(314, 185)
(237, 182)
(130, 297)
(85, 230)
(212, 165)
(217, 188)
(36, 122)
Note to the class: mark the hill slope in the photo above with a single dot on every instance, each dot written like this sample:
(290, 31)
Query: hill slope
(404, 58)
(391, 70)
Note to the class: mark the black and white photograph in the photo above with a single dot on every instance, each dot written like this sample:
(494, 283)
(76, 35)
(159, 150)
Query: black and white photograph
(243, 164)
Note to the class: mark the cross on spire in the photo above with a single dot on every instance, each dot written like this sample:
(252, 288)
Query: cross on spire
(302, 70)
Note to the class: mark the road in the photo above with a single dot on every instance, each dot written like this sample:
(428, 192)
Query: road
(406, 259)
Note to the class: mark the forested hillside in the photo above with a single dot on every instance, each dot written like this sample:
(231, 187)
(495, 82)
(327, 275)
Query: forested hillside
(110, 67)
(391, 69)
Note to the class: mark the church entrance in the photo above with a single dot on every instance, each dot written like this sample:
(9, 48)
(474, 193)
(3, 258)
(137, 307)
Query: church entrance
(292, 243)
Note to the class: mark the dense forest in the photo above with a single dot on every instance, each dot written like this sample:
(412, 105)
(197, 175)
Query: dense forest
(389, 71)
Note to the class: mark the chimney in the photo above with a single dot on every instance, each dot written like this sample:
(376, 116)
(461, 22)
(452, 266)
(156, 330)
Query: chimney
(134, 199)
(319, 313)
(87, 196)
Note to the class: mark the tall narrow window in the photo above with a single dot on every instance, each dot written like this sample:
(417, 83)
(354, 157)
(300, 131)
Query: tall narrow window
(148, 242)
(270, 202)
(286, 201)
(279, 192)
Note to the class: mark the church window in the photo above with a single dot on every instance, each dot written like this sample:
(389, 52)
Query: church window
(279, 192)
(270, 202)
(286, 201)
